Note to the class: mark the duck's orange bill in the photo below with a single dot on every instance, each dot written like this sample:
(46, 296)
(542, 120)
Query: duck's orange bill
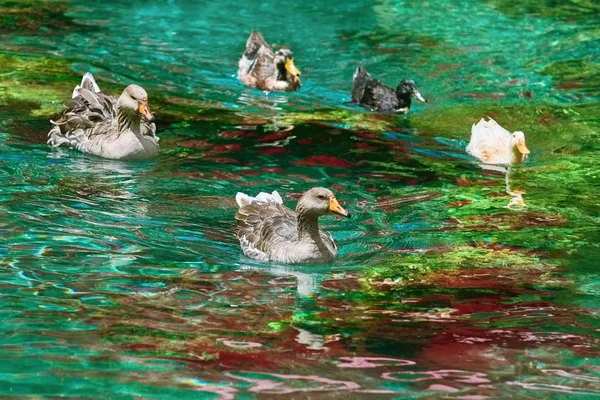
(291, 67)
(335, 207)
(145, 110)
(522, 147)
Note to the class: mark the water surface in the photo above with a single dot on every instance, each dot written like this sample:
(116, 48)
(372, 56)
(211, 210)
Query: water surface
(124, 280)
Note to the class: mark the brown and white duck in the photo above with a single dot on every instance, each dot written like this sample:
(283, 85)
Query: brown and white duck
(269, 231)
(263, 68)
(96, 123)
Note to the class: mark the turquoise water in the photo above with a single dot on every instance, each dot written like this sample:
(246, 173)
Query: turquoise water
(124, 280)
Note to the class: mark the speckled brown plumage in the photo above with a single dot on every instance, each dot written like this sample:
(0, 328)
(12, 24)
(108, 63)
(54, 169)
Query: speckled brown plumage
(263, 68)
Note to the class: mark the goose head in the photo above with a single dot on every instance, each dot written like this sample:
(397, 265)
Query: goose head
(408, 89)
(518, 145)
(284, 60)
(320, 201)
(134, 102)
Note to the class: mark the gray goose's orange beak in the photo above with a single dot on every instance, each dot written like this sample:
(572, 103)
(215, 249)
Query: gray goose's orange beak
(335, 208)
(145, 110)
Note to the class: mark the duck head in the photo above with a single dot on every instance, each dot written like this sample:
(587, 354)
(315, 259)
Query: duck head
(519, 146)
(320, 201)
(407, 89)
(134, 102)
(284, 60)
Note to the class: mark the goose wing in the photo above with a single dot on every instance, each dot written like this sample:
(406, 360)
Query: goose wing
(265, 225)
(86, 115)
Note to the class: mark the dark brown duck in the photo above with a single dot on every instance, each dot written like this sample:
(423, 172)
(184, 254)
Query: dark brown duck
(375, 96)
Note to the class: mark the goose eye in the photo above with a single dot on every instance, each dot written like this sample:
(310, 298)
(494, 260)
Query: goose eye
(321, 197)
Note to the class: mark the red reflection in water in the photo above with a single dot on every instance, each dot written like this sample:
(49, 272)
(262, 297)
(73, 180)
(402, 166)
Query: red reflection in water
(273, 136)
(329, 161)
(273, 150)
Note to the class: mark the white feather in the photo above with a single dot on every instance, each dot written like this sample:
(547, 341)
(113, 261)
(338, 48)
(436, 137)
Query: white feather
(242, 199)
(87, 82)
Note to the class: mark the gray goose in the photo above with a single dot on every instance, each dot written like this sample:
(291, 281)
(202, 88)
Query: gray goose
(269, 231)
(105, 126)
(263, 68)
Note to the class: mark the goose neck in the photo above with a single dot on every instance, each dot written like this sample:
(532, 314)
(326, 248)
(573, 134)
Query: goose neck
(308, 226)
(127, 121)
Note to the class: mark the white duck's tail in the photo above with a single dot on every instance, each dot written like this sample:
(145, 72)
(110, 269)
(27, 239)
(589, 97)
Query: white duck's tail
(485, 127)
(87, 82)
(243, 199)
(477, 129)
(482, 131)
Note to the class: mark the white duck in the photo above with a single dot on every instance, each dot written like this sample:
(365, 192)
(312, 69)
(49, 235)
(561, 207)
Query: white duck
(493, 144)
(105, 126)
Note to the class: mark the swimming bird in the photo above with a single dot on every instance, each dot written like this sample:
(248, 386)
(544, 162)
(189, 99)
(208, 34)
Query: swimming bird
(374, 95)
(263, 68)
(109, 127)
(492, 144)
(269, 231)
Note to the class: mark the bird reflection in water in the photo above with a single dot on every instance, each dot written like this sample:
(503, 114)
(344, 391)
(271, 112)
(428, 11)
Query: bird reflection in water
(307, 287)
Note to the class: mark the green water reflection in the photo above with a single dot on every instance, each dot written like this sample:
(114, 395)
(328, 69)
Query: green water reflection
(124, 280)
